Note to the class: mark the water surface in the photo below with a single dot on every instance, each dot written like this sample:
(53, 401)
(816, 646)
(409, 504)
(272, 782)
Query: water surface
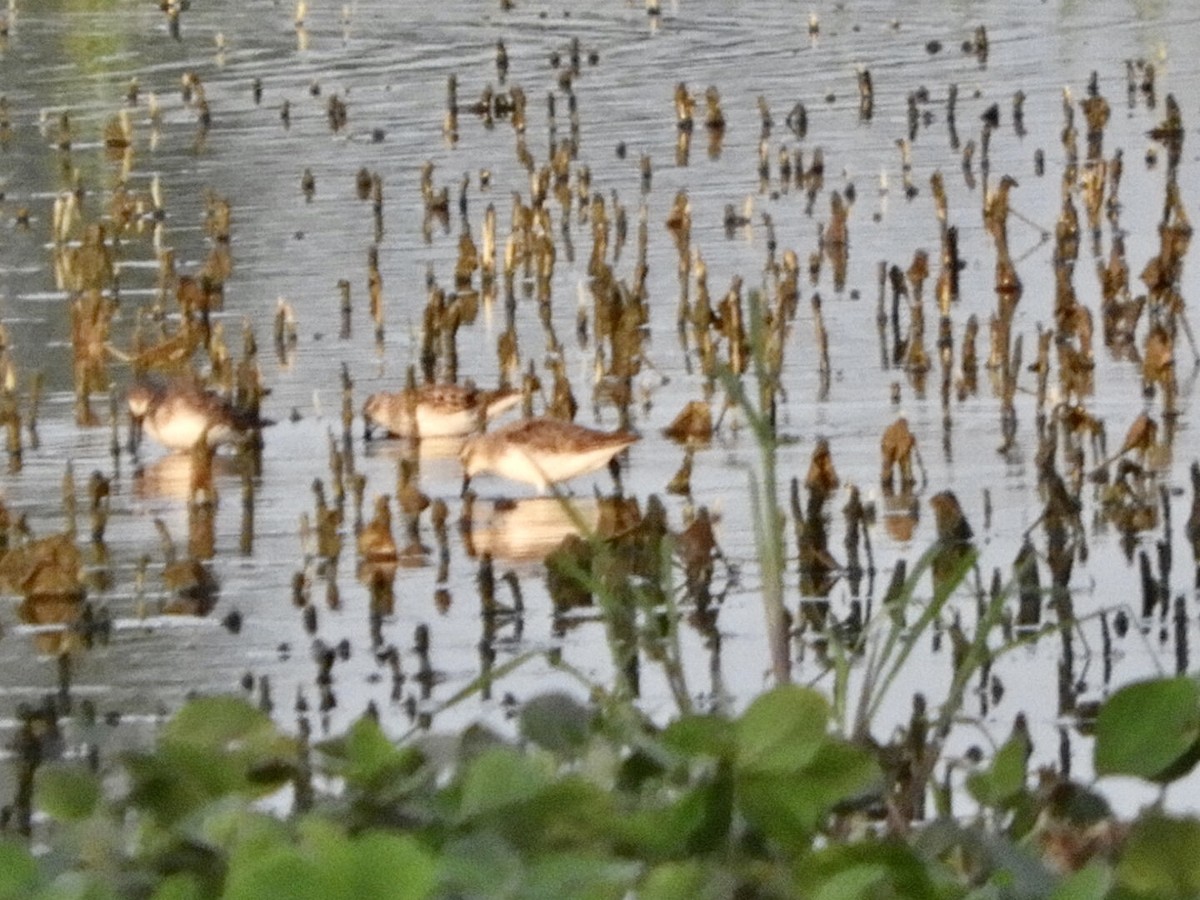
(390, 66)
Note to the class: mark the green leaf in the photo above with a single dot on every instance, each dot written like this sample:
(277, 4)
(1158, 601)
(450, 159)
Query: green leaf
(789, 806)
(221, 724)
(374, 864)
(171, 783)
(782, 731)
(558, 722)
(498, 779)
(1162, 857)
(851, 883)
(281, 872)
(18, 872)
(213, 747)
(481, 864)
(790, 772)
(1150, 729)
(569, 812)
(389, 865)
(183, 886)
(1092, 882)
(367, 758)
(1005, 779)
(696, 823)
(579, 877)
(705, 736)
(237, 829)
(687, 880)
(864, 869)
(67, 793)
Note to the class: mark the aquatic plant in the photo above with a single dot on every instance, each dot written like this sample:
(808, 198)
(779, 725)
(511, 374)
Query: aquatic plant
(591, 802)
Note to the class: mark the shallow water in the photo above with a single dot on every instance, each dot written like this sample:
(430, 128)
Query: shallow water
(391, 70)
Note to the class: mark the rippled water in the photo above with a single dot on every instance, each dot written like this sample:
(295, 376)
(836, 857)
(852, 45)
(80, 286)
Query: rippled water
(390, 64)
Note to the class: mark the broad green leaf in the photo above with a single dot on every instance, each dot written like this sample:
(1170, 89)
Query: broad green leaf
(18, 872)
(500, 778)
(1092, 882)
(215, 746)
(698, 735)
(389, 866)
(1162, 858)
(222, 723)
(1004, 779)
(67, 793)
(570, 811)
(790, 806)
(695, 824)
(172, 782)
(183, 886)
(167, 789)
(851, 883)
(687, 880)
(840, 772)
(864, 869)
(481, 864)
(248, 846)
(321, 835)
(283, 872)
(328, 864)
(559, 876)
(236, 829)
(558, 722)
(364, 747)
(1150, 729)
(367, 758)
(782, 731)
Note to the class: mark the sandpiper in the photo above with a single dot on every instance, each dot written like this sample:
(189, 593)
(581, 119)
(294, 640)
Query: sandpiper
(541, 451)
(436, 410)
(178, 414)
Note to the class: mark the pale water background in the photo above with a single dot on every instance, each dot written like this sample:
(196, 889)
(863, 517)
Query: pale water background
(390, 62)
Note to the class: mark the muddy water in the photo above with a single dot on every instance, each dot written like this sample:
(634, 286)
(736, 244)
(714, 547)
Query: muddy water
(390, 66)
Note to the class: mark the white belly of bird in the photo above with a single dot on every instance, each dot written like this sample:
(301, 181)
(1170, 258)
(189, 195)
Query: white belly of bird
(543, 468)
(433, 422)
(181, 431)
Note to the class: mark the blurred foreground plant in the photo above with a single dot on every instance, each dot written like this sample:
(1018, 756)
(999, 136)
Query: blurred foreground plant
(771, 803)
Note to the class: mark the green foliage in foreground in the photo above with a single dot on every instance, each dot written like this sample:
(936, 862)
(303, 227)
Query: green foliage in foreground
(598, 803)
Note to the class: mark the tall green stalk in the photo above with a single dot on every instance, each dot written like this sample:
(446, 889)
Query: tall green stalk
(764, 494)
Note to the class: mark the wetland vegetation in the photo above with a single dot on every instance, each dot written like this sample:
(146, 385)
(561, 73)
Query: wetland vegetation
(892, 591)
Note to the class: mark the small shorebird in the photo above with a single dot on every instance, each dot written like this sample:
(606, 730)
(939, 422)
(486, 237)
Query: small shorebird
(436, 410)
(541, 451)
(178, 414)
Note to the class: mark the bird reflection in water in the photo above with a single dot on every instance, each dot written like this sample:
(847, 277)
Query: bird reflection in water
(526, 530)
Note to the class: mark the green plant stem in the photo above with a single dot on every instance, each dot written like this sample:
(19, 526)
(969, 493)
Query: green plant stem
(764, 497)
